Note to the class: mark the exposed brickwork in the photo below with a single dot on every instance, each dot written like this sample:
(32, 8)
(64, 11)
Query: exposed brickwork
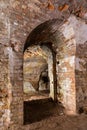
(17, 20)
(5, 88)
(81, 74)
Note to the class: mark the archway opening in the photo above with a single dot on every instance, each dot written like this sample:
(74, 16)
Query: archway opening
(58, 37)
(35, 69)
(38, 85)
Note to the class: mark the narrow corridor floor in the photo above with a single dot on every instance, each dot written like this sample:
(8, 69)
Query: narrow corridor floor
(47, 115)
(37, 110)
(63, 122)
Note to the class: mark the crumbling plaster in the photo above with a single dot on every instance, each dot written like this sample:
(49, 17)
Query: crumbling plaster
(17, 20)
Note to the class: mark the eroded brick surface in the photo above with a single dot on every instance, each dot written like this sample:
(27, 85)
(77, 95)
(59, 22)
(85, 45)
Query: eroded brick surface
(17, 20)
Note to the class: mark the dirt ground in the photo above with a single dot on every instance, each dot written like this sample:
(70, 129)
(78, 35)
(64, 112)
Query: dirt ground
(61, 123)
(49, 116)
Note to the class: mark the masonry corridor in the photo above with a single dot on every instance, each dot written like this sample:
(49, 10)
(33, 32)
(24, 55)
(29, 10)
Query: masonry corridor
(43, 64)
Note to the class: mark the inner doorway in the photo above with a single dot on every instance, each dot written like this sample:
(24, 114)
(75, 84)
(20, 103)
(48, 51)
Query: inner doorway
(39, 88)
(35, 69)
(38, 69)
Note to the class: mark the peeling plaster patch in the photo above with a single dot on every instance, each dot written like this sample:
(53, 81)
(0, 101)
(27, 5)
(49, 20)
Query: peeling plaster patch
(8, 51)
(79, 63)
(67, 84)
(67, 30)
(72, 61)
(73, 20)
(80, 29)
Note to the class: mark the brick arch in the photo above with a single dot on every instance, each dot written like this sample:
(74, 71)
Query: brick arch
(44, 33)
(59, 35)
(51, 61)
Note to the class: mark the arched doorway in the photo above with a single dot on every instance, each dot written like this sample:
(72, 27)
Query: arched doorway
(58, 36)
(61, 36)
(39, 81)
(49, 35)
(40, 71)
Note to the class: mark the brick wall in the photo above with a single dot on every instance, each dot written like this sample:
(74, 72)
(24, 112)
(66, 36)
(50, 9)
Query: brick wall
(17, 20)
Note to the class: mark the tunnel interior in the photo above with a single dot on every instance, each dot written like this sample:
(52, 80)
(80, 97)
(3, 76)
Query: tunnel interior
(36, 85)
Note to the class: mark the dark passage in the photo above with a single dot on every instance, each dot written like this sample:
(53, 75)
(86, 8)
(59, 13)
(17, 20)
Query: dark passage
(37, 110)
